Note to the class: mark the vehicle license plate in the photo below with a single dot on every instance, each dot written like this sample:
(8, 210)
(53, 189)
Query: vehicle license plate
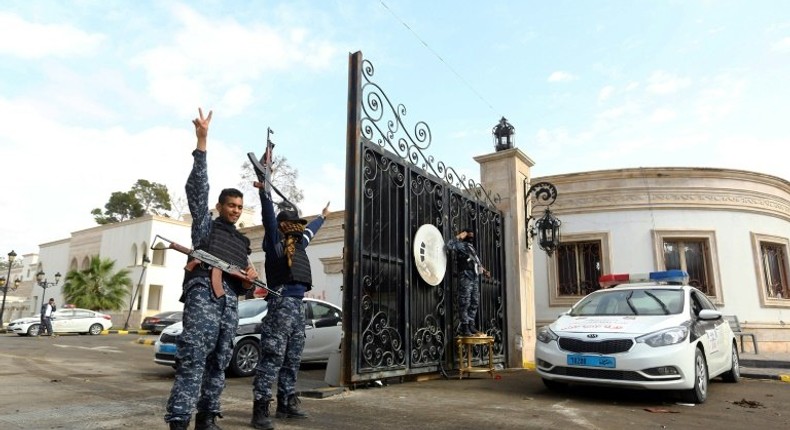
(591, 361)
(167, 348)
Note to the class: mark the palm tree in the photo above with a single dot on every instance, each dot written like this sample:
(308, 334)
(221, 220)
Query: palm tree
(96, 287)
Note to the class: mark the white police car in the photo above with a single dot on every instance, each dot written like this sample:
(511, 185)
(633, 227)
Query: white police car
(651, 331)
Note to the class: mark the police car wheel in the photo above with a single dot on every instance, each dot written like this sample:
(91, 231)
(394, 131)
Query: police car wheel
(699, 392)
(734, 374)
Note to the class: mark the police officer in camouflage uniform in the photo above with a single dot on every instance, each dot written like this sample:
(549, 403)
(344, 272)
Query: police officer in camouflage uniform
(210, 305)
(282, 331)
(470, 268)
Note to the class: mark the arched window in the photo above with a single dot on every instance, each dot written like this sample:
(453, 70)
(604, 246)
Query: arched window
(158, 257)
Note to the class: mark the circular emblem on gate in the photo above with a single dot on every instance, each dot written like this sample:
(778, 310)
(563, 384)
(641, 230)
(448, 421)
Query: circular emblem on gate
(429, 254)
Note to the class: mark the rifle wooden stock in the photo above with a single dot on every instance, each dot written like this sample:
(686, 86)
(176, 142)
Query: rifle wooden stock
(177, 247)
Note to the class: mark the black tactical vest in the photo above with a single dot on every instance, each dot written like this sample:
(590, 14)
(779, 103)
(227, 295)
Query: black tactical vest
(228, 244)
(464, 260)
(278, 273)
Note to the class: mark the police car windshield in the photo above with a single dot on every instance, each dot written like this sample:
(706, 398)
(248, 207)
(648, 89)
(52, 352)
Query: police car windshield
(646, 301)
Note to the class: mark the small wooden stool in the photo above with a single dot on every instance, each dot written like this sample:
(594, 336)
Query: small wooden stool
(468, 343)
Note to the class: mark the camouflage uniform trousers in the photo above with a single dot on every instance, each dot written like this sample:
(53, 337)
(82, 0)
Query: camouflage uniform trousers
(468, 297)
(203, 351)
(282, 342)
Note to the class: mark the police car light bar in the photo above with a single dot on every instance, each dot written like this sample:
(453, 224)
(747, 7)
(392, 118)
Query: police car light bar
(666, 276)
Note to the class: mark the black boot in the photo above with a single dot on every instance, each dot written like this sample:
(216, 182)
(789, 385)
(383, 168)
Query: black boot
(289, 407)
(260, 415)
(207, 420)
(178, 425)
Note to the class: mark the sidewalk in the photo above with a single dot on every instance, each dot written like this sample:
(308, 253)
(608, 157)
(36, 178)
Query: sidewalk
(765, 366)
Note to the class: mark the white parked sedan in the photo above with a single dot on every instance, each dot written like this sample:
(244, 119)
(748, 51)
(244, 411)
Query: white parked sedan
(322, 330)
(67, 320)
(650, 331)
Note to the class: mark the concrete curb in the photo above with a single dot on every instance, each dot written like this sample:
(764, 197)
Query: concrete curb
(112, 331)
(126, 332)
(757, 375)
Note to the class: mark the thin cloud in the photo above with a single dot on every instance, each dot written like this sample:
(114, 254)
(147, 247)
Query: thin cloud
(220, 59)
(561, 76)
(605, 93)
(720, 97)
(44, 40)
(661, 82)
(782, 45)
(663, 115)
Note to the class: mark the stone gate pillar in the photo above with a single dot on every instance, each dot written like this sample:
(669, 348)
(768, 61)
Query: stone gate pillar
(503, 173)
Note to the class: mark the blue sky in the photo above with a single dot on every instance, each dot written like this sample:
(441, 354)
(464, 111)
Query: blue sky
(97, 94)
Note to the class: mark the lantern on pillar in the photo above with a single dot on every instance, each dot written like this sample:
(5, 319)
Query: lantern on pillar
(503, 135)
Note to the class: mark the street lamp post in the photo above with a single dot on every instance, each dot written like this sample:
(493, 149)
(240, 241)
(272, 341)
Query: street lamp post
(41, 277)
(134, 296)
(11, 257)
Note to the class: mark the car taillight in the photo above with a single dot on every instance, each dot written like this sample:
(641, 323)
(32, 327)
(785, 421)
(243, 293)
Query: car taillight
(153, 320)
(107, 317)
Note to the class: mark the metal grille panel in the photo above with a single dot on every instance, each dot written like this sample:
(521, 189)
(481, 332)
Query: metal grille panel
(611, 346)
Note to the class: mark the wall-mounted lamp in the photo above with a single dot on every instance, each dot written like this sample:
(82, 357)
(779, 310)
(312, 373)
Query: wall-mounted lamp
(547, 227)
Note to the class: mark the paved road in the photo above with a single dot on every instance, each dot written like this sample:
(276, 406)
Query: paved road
(111, 382)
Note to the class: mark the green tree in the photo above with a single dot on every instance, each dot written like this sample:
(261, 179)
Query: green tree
(144, 197)
(154, 197)
(121, 207)
(98, 287)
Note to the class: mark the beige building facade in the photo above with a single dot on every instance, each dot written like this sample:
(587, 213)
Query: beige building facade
(730, 229)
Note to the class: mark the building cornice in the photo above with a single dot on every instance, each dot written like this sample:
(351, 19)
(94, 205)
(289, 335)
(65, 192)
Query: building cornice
(671, 188)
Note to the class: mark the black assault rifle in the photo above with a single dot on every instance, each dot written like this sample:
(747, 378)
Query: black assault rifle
(204, 257)
(263, 170)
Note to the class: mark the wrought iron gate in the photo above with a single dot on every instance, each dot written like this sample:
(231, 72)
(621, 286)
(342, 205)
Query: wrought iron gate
(395, 323)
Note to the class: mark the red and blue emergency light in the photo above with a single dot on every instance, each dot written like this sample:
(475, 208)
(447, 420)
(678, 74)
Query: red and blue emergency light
(667, 276)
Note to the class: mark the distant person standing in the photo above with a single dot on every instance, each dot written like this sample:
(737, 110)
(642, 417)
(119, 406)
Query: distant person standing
(469, 270)
(46, 318)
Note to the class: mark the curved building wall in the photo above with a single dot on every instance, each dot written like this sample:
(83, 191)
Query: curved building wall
(632, 212)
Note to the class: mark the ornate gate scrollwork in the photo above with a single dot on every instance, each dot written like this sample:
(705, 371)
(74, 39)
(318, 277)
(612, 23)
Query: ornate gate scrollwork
(396, 323)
